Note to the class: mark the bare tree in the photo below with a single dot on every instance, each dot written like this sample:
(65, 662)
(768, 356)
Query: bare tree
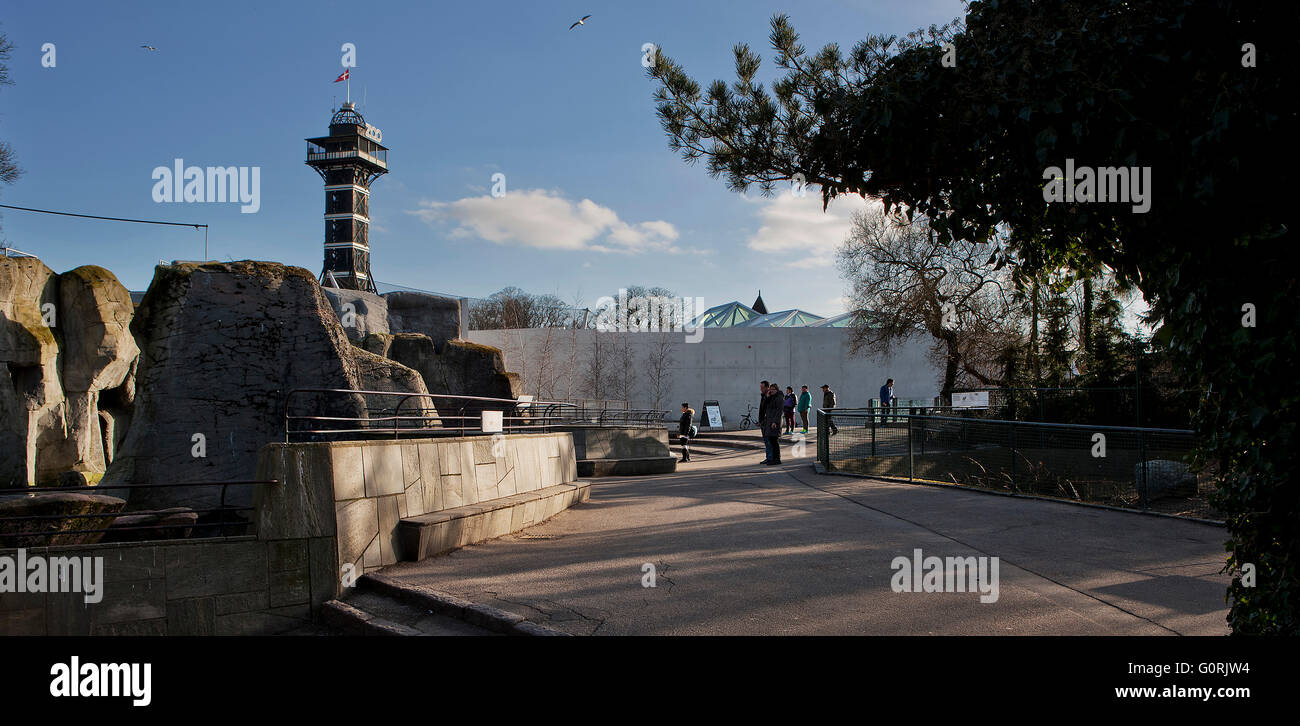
(904, 283)
(513, 308)
(9, 169)
(658, 369)
(595, 372)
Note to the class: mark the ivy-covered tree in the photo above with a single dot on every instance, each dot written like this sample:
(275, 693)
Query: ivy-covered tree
(962, 123)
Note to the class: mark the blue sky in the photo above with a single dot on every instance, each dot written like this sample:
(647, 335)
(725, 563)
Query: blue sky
(595, 199)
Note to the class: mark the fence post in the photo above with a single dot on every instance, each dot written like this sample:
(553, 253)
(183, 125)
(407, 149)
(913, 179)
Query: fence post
(873, 434)
(911, 465)
(1014, 489)
(1142, 464)
(823, 445)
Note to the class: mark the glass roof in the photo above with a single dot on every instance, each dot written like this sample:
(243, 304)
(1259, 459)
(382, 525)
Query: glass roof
(843, 320)
(727, 315)
(793, 318)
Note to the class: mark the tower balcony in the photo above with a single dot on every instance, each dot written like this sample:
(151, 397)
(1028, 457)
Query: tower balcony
(378, 157)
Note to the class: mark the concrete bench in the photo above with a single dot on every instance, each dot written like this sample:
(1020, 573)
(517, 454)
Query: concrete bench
(437, 532)
(627, 466)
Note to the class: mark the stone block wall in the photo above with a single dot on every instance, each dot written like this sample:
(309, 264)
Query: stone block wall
(231, 586)
(335, 504)
(367, 487)
(629, 443)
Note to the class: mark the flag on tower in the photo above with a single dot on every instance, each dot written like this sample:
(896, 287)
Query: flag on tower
(343, 77)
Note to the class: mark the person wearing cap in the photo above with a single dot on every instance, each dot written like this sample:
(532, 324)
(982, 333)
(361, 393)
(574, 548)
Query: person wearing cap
(828, 402)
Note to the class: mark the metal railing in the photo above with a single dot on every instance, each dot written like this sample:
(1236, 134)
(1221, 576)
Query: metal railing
(1120, 466)
(318, 154)
(19, 531)
(391, 414)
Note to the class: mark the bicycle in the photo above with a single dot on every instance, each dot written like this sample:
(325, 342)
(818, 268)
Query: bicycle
(748, 420)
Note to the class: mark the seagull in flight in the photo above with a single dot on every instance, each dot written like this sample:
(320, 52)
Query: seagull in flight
(580, 22)
(149, 47)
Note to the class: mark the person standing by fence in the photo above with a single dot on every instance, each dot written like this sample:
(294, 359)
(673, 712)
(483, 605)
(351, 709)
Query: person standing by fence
(887, 401)
(805, 403)
(828, 403)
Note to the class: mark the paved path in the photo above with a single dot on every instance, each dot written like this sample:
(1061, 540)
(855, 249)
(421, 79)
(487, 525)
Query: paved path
(746, 549)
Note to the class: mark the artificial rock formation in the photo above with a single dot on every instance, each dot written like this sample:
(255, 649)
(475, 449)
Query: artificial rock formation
(432, 315)
(378, 373)
(63, 517)
(422, 332)
(222, 345)
(66, 364)
(365, 313)
(461, 368)
(361, 313)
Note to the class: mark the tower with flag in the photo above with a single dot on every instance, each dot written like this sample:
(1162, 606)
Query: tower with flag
(348, 160)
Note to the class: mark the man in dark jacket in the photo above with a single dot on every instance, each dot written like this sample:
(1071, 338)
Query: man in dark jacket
(887, 400)
(684, 430)
(828, 402)
(771, 422)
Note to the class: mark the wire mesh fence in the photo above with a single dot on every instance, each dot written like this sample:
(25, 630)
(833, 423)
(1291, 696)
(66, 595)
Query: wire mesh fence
(1148, 406)
(1129, 467)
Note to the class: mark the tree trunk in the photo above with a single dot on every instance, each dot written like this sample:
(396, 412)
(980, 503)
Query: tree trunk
(1085, 334)
(1034, 367)
(950, 369)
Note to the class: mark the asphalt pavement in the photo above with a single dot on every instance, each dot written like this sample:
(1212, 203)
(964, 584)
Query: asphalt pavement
(739, 548)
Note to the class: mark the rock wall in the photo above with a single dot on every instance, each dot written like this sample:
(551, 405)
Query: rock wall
(461, 368)
(189, 386)
(432, 315)
(221, 345)
(66, 370)
(364, 313)
(360, 312)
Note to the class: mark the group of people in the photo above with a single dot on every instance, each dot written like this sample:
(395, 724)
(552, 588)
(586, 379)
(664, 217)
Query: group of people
(776, 411)
(776, 408)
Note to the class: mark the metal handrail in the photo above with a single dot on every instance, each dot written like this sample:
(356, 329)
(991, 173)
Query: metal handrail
(115, 515)
(865, 412)
(527, 415)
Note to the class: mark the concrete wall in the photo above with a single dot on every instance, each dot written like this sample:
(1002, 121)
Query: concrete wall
(726, 366)
(604, 443)
(232, 586)
(368, 487)
(335, 504)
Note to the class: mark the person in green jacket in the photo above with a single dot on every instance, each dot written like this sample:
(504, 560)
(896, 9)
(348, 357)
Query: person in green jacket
(805, 403)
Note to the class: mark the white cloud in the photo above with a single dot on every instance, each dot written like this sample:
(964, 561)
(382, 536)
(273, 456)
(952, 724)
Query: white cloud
(797, 232)
(546, 220)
